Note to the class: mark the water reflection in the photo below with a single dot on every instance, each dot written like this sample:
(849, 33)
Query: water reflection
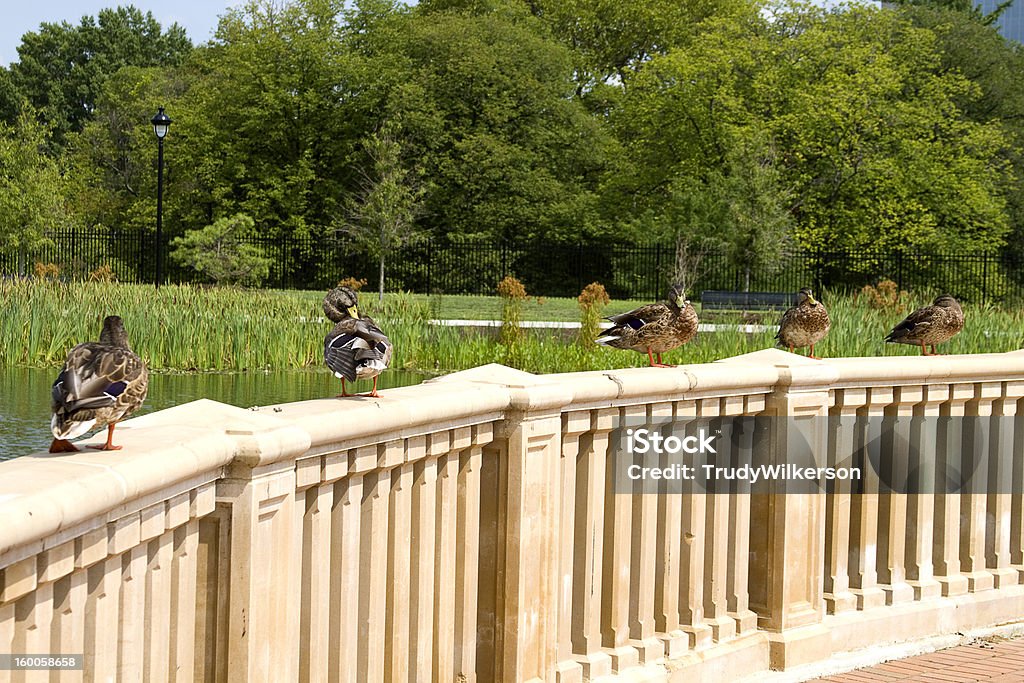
(25, 396)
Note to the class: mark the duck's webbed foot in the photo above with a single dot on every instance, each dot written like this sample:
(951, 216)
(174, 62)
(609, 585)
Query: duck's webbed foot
(109, 445)
(63, 446)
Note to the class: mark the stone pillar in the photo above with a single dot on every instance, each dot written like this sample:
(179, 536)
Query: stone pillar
(738, 569)
(574, 425)
(788, 529)
(716, 542)
(642, 555)
(527, 631)
(265, 511)
(864, 507)
(588, 540)
(692, 565)
(666, 588)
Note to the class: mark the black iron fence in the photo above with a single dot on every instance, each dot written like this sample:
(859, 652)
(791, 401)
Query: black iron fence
(638, 271)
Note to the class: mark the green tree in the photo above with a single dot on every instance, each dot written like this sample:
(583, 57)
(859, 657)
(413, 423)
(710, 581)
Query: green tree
(381, 216)
(758, 222)
(487, 107)
(612, 39)
(218, 252)
(969, 44)
(112, 161)
(868, 135)
(32, 189)
(263, 127)
(61, 67)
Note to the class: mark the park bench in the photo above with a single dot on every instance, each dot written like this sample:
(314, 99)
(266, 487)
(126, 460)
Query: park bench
(720, 300)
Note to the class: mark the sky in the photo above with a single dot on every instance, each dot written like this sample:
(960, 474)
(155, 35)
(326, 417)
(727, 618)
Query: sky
(198, 17)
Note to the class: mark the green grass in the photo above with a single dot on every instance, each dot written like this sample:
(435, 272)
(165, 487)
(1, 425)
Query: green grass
(197, 328)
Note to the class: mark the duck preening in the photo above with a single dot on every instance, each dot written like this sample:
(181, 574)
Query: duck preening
(930, 325)
(654, 329)
(100, 384)
(805, 324)
(356, 348)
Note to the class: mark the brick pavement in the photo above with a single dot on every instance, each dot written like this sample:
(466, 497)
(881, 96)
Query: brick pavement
(994, 660)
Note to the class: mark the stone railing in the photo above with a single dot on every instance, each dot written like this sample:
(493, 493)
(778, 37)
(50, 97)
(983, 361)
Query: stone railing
(468, 529)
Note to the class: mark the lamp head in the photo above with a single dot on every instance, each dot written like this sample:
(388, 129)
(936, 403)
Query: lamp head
(161, 123)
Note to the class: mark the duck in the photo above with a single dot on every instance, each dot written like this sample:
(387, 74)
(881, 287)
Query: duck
(655, 328)
(100, 384)
(930, 325)
(355, 348)
(805, 324)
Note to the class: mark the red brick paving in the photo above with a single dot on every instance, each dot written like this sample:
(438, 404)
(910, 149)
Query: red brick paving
(992, 660)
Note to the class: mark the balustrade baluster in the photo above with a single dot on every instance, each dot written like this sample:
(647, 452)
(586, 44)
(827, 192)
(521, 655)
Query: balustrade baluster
(892, 499)
(1000, 486)
(839, 545)
(948, 454)
(588, 542)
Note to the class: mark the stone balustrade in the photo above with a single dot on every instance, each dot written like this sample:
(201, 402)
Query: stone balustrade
(470, 529)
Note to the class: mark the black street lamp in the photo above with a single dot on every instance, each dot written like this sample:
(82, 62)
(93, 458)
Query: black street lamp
(161, 123)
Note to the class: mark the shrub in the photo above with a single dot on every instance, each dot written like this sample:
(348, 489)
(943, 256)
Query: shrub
(103, 274)
(352, 283)
(218, 252)
(512, 293)
(592, 299)
(886, 295)
(46, 271)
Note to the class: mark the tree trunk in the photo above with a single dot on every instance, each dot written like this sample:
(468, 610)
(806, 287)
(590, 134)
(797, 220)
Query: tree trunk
(380, 294)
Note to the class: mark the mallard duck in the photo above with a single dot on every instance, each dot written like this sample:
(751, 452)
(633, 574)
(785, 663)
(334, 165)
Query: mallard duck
(805, 324)
(930, 325)
(100, 384)
(356, 348)
(654, 328)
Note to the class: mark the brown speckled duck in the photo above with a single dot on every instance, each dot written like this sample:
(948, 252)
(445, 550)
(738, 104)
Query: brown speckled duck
(654, 328)
(930, 325)
(100, 384)
(356, 348)
(805, 324)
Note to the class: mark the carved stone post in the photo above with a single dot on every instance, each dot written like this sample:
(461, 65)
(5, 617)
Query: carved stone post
(788, 529)
(265, 564)
(527, 628)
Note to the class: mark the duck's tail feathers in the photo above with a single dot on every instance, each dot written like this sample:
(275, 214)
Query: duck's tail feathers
(607, 339)
(69, 429)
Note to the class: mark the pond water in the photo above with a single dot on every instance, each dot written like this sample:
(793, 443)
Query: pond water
(25, 396)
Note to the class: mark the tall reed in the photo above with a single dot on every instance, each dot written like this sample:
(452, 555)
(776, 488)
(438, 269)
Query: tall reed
(197, 328)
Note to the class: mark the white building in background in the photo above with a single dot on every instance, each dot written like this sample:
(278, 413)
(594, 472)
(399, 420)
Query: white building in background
(1011, 22)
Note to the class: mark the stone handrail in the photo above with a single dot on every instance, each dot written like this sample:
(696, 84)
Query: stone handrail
(467, 529)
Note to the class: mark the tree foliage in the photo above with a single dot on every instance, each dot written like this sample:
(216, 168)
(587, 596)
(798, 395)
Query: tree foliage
(381, 216)
(32, 190)
(760, 127)
(62, 68)
(217, 252)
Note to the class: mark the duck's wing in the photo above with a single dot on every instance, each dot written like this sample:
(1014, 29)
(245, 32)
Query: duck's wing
(352, 342)
(788, 318)
(639, 317)
(95, 376)
(378, 345)
(914, 325)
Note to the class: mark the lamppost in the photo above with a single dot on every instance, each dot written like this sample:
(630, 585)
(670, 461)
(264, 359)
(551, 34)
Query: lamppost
(161, 123)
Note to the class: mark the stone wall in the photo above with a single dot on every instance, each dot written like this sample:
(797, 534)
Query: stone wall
(469, 529)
